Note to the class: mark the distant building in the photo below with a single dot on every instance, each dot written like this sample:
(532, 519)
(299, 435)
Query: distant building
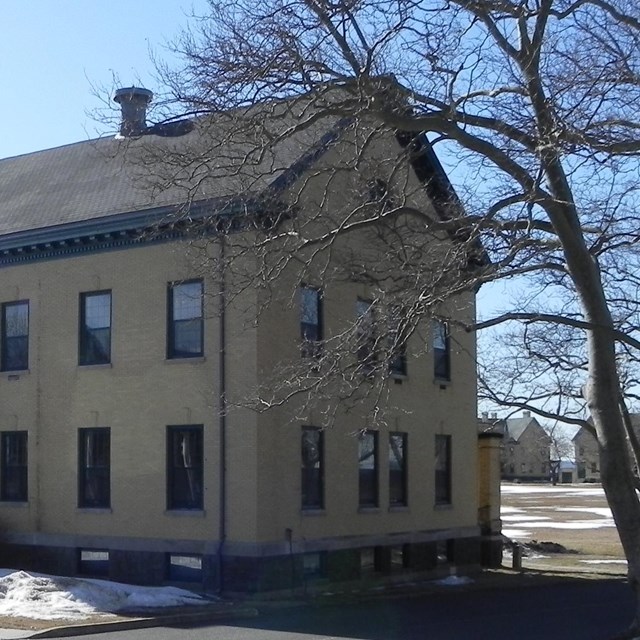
(525, 449)
(567, 471)
(587, 456)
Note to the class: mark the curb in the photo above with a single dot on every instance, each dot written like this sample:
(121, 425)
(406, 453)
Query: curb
(144, 623)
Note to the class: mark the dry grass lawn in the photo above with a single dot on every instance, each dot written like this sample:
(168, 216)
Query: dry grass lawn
(577, 506)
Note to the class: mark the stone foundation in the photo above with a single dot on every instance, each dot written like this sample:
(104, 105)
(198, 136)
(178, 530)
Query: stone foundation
(268, 573)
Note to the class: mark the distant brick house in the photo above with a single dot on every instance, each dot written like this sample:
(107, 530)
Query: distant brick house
(587, 457)
(587, 454)
(525, 450)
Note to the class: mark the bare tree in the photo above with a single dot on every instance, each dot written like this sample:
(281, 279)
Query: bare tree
(561, 448)
(535, 105)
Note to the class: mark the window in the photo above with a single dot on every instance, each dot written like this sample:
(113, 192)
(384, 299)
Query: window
(94, 464)
(13, 445)
(312, 468)
(93, 562)
(397, 469)
(365, 334)
(184, 467)
(368, 469)
(314, 565)
(15, 336)
(443, 469)
(182, 568)
(372, 559)
(444, 551)
(95, 328)
(311, 321)
(401, 556)
(441, 359)
(397, 345)
(185, 330)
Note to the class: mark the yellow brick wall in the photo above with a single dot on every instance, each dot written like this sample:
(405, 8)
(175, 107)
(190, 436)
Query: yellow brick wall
(141, 393)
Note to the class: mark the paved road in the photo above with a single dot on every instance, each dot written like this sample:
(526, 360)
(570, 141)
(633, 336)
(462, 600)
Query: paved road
(585, 611)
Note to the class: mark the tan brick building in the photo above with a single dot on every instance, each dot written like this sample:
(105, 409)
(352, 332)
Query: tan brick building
(127, 445)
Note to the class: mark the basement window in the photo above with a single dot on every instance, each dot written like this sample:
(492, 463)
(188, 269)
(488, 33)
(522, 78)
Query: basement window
(184, 568)
(93, 562)
(314, 565)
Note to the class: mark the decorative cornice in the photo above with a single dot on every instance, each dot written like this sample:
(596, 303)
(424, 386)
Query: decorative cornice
(150, 226)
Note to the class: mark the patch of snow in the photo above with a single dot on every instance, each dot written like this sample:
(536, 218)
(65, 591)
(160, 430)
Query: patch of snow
(599, 492)
(575, 524)
(516, 533)
(528, 488)
(522, 519)
(508, 555)
(454, 581)
(510, 510)
(44, 597)
(558, 490)
(605, 512)
(604, 561)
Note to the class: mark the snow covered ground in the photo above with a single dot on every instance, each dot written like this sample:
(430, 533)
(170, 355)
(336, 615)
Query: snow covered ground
(519, 524)
(43, 597)
(578, 514)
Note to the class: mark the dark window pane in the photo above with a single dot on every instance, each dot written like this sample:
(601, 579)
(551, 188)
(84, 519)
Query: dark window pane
(185, 568)
(443, 469)
(368, 469)
(15, 336)
(441, 350)
(185, 338)
(365, 335)
(184, 467)
(14, 466)
(93, 562)
(311, 321)
(314, 565)
(94, 468)
(398, 469)
(95, 328)
(312, 468)
(397, 345)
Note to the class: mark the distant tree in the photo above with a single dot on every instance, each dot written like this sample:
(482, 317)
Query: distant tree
(536, 107)
(561, 448)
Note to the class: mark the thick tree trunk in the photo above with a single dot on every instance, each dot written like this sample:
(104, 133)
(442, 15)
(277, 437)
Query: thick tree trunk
(616, 473)
(602, 390)
(602, 393)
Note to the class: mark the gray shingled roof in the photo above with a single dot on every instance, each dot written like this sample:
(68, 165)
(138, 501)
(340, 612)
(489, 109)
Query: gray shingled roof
(635, 422)
(93, 189)
(517, 426)
(95, 179)
(67, 184)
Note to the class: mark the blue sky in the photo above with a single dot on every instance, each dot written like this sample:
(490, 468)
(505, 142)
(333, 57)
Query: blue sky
(53, 51)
